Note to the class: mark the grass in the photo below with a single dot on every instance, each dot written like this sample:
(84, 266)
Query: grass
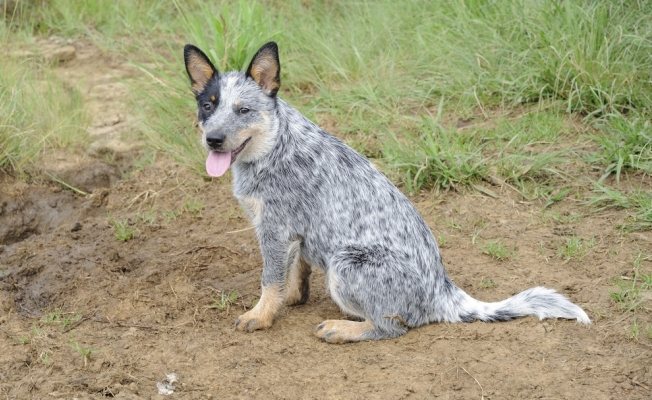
(497, 250)
(84, 352)
(381, 72)
(629, 295)
(487, 283)
(224, 301)
(122, 230)
(193, 206)
(575, 248)
(439, 157)
(61, 318)
(638, 202)
(38, 114)
(625, 145)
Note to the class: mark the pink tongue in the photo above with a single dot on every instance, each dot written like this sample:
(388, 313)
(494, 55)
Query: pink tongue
(218, 163)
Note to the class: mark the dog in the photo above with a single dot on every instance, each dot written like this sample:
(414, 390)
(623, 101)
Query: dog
(317, 203)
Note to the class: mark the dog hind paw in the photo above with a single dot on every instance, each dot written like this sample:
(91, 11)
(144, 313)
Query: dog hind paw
(341, 331)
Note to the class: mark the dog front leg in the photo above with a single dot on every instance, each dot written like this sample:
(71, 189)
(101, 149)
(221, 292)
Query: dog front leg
(277, 254)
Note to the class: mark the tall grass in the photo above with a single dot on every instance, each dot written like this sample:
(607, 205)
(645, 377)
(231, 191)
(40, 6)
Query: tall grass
(38, 113)
(374, 72)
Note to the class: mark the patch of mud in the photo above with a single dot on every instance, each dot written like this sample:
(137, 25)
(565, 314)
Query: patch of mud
(34, 210)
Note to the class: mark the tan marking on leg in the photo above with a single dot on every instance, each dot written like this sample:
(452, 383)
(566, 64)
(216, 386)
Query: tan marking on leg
(298, 288)
(262, 315)
(341, 331)
(254, 208)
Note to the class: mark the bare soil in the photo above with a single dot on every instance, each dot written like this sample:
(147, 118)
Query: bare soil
(84, 315)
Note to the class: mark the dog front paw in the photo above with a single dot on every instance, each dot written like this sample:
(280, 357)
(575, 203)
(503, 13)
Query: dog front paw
(251, 321)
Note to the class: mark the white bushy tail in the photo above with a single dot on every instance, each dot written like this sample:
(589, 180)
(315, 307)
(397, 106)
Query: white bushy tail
(538, 301)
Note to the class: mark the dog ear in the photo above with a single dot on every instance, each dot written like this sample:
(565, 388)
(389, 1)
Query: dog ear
(265, 69)
(199, 67)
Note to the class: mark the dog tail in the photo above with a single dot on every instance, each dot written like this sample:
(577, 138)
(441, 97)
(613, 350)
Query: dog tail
(538, 301)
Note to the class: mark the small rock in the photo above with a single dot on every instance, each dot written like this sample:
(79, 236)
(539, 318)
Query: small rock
(166, 387)
(76, 227)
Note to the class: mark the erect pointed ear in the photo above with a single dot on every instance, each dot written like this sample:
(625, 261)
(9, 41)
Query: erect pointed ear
(265, 69)
(199, 67)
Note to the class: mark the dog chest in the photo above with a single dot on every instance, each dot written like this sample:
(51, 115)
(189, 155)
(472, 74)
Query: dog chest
(253, 206)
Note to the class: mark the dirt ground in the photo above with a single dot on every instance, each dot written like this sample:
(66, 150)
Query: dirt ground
(84, 315)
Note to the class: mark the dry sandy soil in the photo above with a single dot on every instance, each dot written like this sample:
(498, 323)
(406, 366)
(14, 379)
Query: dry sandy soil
(84, 315)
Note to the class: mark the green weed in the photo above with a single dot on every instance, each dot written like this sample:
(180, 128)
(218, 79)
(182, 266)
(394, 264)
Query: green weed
(44, 358)
(170, 215)
(487, 283)
(122, 230)
(193, 206)
(224, 301)
(84, 352)
(575, 248)
(148, 217)
(629, 295)
(639, 203)
(61, 318)
(497, 250)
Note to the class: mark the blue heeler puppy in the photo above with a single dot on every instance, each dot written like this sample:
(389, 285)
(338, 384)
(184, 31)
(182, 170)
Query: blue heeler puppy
(315, 202)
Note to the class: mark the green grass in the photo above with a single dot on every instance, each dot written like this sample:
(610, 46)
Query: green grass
(378, 72)
(38, 114)
(630, 292)
(84, 352)
(224, 301)
(487, 283)
(60, 318)
(497, 250)
(637, 202)
(447, 94)
(439, 156)
(122, 230)
(193, 206)
(625, 145)
(575, 248)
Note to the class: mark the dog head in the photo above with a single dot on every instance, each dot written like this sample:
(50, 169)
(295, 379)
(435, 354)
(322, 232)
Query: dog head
(235, 109)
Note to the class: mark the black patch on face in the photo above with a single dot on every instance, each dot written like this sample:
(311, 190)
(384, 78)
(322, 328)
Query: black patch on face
(208, 99)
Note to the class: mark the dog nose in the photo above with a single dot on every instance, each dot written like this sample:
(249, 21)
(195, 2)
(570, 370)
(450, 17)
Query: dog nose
(215, 140)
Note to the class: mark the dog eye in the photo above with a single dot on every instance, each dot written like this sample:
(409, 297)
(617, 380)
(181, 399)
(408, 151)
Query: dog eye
(207, 106)
(243, 110)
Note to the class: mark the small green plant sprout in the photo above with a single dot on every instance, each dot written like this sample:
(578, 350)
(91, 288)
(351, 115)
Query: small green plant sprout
(442, 240)
(84, 352)
(556, 196)
(575, 248)
(193, 206)
(23, 340)
(497, 250)
(122, 230)
(148, 217)
(224, 301)
(63, 319)
(487, 283)
(44, 357)
(170, 215)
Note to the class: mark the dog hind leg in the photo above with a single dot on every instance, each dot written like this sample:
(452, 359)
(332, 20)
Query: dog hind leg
(369, 283)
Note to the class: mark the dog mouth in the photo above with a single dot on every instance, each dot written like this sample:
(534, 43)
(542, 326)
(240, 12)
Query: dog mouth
(218, 162)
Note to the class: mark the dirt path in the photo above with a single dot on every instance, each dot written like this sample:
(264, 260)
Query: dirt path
(84, 315)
